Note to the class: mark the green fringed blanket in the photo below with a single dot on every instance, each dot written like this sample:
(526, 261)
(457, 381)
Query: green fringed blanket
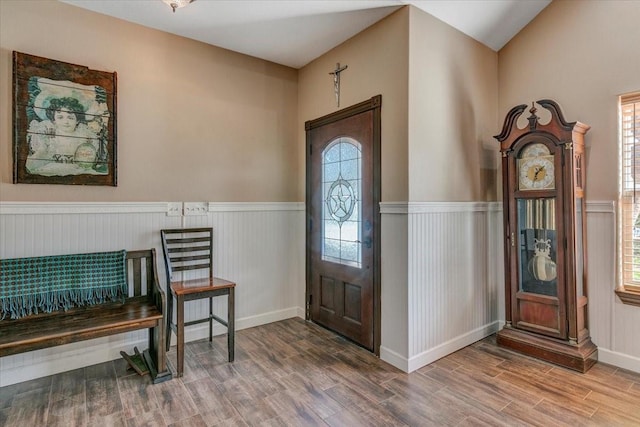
(50, 283)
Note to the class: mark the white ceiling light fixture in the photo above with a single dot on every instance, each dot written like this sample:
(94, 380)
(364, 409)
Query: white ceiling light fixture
(177, 4)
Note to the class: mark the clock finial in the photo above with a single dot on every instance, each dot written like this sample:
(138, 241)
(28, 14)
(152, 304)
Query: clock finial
(533, 119)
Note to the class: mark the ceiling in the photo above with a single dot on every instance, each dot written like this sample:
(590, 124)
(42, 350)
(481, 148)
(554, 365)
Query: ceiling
(295, 32)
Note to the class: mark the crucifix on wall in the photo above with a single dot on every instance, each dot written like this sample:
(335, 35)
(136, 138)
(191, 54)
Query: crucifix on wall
(336, 81)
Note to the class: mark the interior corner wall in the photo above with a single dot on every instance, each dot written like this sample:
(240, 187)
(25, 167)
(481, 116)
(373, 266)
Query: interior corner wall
(194, 122)
(584, 55)
(454, 224)
(453, 99)
(439, 103)
(377, 60)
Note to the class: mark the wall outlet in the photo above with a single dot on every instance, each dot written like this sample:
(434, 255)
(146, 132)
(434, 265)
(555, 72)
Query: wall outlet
(195, 208)
(174, 209)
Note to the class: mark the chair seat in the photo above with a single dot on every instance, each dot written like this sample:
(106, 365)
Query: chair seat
(196, 286)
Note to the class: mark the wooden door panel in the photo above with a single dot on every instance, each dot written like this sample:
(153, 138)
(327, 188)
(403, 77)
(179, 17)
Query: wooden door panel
(353, 302)
(329, 295)
(342, 300)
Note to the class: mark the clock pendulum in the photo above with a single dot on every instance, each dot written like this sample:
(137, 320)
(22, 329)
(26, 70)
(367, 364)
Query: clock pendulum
(541, 265)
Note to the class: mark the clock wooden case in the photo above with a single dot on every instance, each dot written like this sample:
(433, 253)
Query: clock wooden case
(543, 175)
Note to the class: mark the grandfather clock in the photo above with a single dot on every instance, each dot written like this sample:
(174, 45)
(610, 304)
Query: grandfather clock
(543, 175)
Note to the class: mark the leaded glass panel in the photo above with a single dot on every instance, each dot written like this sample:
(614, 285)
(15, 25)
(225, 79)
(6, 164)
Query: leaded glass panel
(341, 184)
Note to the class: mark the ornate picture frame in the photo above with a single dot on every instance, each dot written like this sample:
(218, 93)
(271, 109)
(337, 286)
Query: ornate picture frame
(64, 123)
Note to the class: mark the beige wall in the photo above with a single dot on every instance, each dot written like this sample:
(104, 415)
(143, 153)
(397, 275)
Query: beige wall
(453, 99)
(582, 54)
(195, 122)
(378, 64)
(244, 140)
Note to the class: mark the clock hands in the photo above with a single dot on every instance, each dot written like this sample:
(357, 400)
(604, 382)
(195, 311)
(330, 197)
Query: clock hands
(536, 173)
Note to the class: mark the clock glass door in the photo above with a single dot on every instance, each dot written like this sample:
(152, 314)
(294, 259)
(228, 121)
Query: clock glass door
(538, 301)
(537, 246)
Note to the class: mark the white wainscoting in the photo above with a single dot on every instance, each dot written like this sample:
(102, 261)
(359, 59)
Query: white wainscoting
(454, 278)
(455, 282)
(612, 324)
(450, 277)
(258, 245)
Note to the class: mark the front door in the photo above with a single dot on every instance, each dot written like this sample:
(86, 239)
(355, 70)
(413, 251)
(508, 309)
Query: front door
(343, 227)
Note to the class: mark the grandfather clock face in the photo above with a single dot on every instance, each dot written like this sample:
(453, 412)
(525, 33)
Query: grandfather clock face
(536, 169)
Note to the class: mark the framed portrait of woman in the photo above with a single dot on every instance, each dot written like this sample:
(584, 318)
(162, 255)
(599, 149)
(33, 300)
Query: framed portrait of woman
(64, 123)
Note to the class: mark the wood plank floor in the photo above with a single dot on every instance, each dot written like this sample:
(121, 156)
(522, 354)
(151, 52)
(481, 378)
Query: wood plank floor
(292, 373)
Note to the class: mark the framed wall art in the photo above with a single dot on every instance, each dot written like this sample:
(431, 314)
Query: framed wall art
(64, 123)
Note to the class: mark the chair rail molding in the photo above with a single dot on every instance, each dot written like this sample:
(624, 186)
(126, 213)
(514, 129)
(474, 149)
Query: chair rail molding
(595, 206)
(47, 208)
(171, 208)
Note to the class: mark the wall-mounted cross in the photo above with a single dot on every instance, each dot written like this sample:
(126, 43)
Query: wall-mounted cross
(336, 81)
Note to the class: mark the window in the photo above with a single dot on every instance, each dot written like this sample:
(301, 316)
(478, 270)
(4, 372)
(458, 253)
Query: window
(629, 290)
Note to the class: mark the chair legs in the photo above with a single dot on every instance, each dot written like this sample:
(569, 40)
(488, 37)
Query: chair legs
(169, 319)
(180, 334)
(210, 319)
(179, 327)
(231, 324)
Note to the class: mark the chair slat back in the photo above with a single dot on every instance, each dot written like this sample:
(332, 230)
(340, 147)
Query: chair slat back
(187, 249)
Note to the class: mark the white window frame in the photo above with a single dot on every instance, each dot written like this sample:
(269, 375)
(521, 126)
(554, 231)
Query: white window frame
(629, 199)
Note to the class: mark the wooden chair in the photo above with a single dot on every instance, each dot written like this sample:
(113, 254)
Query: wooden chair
(185, 250)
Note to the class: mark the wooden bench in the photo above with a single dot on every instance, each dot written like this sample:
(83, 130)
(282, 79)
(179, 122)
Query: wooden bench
(142, 308)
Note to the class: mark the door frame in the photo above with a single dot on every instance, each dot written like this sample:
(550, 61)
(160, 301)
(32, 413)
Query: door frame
(374, 104)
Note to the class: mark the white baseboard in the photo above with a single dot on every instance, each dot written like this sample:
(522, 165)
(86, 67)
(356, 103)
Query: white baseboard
(395, 359)
(194, 333)
(105, 351)
(438, 352)
(620, 360)
(60, 362)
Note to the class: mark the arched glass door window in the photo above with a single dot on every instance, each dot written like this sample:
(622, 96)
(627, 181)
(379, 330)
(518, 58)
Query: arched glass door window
(342, 204)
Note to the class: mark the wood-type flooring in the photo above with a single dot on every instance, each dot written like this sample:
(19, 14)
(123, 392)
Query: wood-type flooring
(293, 373)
